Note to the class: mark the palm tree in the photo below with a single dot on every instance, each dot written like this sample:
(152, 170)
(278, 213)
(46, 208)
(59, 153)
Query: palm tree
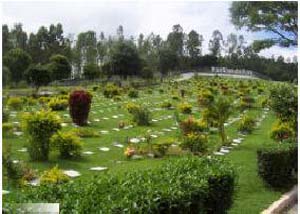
(220, 111)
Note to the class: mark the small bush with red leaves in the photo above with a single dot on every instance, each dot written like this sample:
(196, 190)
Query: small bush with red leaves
(79, 105)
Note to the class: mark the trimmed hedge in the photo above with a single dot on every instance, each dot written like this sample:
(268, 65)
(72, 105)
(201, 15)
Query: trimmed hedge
(185, 185)
(276, 164)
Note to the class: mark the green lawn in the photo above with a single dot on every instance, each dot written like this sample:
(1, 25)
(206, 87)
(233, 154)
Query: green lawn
(251, 195)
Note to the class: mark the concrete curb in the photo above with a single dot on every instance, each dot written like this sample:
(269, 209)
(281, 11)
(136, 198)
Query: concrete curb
(285, 201)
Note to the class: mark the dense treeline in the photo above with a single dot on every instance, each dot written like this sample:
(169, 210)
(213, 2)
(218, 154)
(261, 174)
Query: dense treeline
(90, 55)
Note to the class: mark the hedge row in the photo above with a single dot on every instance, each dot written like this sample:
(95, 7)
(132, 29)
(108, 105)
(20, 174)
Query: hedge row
(184, 185)
(277, 163)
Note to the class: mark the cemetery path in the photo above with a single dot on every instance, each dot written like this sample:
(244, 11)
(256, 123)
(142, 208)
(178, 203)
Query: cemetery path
(252, 196)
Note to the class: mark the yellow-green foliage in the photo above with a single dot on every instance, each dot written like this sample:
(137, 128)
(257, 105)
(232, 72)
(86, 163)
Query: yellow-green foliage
(7, 129)
(196, 143)
(205, 98)
(246, 124)
(281, 131)
(56, 104)
(85, 132)
(44, 100)
(15, 103)
(191, 125)
(68, 144)
(185, 108)
(131, 107)
(54, 176)
(111, 90)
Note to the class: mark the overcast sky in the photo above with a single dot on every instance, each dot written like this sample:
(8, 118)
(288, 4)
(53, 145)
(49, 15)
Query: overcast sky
(136, 17)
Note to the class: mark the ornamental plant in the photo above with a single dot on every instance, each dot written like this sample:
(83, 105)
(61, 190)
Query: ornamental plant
(111, 90)
(56, 104)
(141, 116)
(195, 142)
(133, 93)
(54, 176)
(15, 103)
(185, 108)
(192, 125)
(281, 131)
(68, 144)
(40, 126)
(247, 124)
(205, 98)
(79, 105)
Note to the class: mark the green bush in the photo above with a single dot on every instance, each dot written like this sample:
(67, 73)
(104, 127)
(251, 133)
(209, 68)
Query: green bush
(184, 185)
(40, 126)
(132, 93)
(53, 176)
(68, 144)
(141, 116)
(205, 98)
(277, 162)
(160, 149)
(111, 90)
(191, 125)
(281, 131)
(5, 116)
(15, 103)
(246, 124)
(56, 104)
(85, 132)
(131, 107)
(185, 108)
(7, 129)
(195, 142)
(247, 102)
(166, 105)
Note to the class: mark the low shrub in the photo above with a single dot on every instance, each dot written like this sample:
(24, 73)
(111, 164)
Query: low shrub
(277, 162)
(205, 98)
(166, 105)
(53, 176)
(111, 90)
(7, 129)
(131, 107)
(246, 124)
(185, 108)
(184, 185)
(192, 125)
(85, 132)
(40, 126)
(195, 142)
(68, 144)
(247, 102)
(15, 103)
(30, 101)
(161, 149)
(56, 104)
(141, 116)
(132, 93)
(44, 100)
(79, 105)
(281, 131)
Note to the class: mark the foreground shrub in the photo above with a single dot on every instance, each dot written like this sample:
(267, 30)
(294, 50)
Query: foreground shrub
(185, 108)
(79, 105)
(54, 176)
(68, 144)
(133, 93)
(246, 124)
(15, 103)
(141, 116)
(40, 126)
(191, 125)
(184, 185)
(56, 104)
(281, 131)
(195, 142)
(111, 90)
(277, 162)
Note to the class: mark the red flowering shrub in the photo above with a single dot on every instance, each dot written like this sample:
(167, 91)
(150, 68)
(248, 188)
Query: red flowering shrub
(79, 105)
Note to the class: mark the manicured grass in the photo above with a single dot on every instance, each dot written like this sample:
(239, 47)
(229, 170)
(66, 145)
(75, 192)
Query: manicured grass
(252, 195)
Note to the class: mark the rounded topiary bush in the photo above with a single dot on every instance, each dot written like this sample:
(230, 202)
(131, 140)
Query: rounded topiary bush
(40, 126)
(79, 105)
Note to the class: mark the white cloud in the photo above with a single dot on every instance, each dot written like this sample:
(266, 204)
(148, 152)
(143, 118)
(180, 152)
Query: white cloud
(135, 16)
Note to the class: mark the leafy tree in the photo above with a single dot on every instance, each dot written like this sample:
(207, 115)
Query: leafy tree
(38, 76)
(167, 61)
(19, 37)
(60, 67)
(91, 71)
(194, 43)
(120, 32)
(278, 19)
(175, 40)
(17, 61)
(6, 76)
(6, 40)
(124, 59)
(215, 44)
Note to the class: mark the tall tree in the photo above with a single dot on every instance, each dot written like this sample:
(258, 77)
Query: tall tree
(193, 44)
(175, 40)
(19, 37)
(17, 61)
(215, 44)
(6, 40)
(278, 19)
(59, 67)
(38, 76)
